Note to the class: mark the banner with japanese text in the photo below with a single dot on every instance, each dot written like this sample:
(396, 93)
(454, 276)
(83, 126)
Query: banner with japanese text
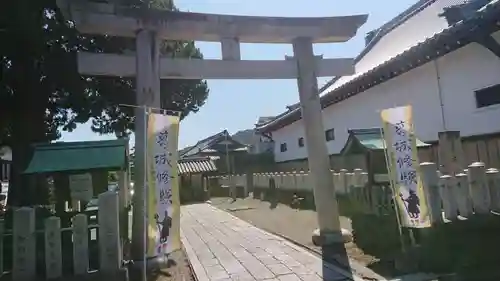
(403, 166)
(163, 185)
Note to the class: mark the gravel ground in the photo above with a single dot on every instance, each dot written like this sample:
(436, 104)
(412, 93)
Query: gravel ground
(297, 225)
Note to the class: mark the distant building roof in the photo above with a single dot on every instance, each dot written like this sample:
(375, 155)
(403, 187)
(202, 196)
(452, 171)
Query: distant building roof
(265, 119)
(418, 35)
(368, 139)
(196, 165)
(210, 142)
(245, 136)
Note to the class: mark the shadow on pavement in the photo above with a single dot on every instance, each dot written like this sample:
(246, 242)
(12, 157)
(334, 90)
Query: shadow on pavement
(331, 256)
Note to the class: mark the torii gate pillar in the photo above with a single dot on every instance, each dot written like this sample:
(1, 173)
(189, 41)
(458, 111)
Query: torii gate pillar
(147, 94)
(319, 164)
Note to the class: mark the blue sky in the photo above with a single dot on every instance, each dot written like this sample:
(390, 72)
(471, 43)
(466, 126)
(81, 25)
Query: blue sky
(237, 104)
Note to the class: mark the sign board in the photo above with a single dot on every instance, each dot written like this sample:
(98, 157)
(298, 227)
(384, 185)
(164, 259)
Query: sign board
(81, 187)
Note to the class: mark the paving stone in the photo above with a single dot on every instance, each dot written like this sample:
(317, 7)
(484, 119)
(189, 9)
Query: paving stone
(310, 277)
(242, 277)
(289, 277)
(216, 272)
(279, 269)
(228, 248)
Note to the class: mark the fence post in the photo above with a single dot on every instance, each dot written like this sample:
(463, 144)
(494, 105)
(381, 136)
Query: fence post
(2, 229)
(478, 188)
(343, 181)
(446, 188)
(109, 232)
(24, 254)
(80, 244)
(53, 248)
(430, 183)
(356, 185)
(450, 152)
(463, 195)
(492, 175)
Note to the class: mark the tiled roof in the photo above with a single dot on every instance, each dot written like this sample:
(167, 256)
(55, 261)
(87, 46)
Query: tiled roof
(209, 142)
(203, 144)
(425, 25)
(193, 166)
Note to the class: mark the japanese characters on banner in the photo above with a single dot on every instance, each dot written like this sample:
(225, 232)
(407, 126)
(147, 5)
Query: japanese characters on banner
(163, 192)
(403, 167)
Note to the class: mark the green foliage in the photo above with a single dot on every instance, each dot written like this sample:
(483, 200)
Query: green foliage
(42, 93)
(464, 247)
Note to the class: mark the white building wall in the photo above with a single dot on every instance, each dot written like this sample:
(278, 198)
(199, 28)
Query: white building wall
(461, 73)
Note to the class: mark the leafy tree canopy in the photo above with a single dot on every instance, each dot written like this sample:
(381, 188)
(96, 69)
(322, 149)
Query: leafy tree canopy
(42, 93)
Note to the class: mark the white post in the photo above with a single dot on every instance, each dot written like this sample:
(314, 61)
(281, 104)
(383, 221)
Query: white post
(447, 190)
(343, 181)
(430, 182)
(124, 186)
(319, 163)
(463, 195)
(148, 94)
(478, 188)
(53, 248)
(24, 251)
(109, 233)
(80, 244)
(493, 185)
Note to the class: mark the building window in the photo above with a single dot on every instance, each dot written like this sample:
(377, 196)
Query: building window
(488, 96)
(301, 142)
(283, 147)
(330, 134)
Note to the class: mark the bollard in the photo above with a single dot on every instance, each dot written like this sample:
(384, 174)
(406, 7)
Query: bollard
(478, 188)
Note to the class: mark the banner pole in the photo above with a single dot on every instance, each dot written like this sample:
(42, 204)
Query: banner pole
(146, 194)
(393, 189)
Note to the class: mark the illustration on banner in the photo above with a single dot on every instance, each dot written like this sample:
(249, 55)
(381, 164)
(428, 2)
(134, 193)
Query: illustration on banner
(164, 226)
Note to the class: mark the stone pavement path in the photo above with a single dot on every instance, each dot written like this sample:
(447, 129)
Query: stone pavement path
(222, 247)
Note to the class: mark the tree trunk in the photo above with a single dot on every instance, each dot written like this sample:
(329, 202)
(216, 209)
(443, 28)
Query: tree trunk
(28, 127)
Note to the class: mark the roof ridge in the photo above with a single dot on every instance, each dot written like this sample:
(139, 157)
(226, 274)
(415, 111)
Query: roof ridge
(489, 9)
(383, 30)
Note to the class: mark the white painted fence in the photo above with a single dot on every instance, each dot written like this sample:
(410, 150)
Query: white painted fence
(475, 191)
(24, 239)
(301, 180)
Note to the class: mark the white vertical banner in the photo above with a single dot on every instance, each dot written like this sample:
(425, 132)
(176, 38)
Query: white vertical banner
(403, 166)
(163, 192)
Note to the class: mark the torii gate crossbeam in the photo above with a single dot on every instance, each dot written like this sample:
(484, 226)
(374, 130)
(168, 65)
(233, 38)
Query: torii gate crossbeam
(97, 64)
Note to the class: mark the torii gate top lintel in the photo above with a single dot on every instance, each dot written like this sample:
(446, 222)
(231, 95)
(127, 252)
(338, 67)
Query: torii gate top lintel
(111, 19)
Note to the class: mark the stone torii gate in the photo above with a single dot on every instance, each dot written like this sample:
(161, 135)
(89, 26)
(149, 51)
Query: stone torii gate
(149, 26)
